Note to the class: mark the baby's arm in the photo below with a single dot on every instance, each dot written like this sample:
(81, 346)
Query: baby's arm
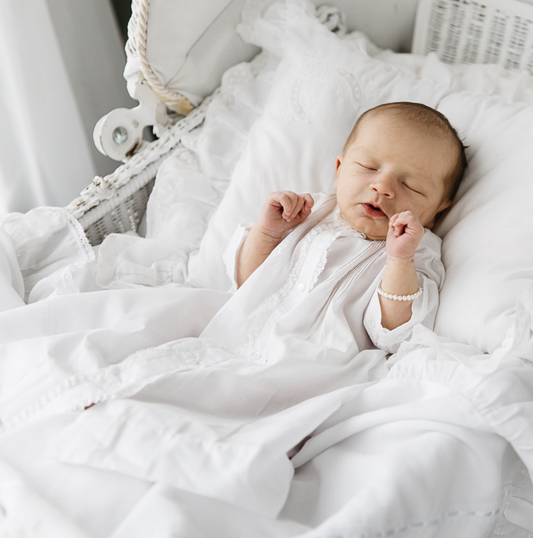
(281, 212)
(400, 278)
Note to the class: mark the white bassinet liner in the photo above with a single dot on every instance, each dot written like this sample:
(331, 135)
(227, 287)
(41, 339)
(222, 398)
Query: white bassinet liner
(279, 122)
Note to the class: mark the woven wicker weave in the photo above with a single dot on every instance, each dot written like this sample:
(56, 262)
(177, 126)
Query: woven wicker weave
(117, 202)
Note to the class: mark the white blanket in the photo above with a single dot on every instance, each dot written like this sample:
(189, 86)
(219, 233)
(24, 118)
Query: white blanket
(438, 441)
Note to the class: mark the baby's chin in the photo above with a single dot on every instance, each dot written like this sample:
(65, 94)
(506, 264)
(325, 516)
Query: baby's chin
(369, 234)
(374, 237)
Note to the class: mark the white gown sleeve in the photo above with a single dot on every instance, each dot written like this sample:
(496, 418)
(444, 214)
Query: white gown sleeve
(430, 273)
(232, 250)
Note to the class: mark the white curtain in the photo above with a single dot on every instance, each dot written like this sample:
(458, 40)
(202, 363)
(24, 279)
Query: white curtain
(61, 67)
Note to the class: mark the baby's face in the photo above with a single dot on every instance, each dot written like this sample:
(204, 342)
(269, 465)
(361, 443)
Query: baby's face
(391, 168)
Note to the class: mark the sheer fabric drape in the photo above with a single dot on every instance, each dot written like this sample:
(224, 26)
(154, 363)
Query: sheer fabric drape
(47, 110)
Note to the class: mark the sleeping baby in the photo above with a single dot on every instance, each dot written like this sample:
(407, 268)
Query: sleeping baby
(338, 274)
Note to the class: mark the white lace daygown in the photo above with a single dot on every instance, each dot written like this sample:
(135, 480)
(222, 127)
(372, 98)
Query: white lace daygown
(315, 295)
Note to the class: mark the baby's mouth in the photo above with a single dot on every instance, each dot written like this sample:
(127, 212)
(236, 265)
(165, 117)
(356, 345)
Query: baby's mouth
(373, 211)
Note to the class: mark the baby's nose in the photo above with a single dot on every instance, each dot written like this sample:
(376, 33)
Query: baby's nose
(383, 184)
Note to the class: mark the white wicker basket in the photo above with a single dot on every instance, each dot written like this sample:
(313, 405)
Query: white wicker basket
(459, 31)
(117, 202)
(477, 31)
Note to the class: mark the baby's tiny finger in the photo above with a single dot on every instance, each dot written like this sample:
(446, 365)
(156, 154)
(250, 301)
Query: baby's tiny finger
(299, 205)
(293, 210)
(287, 205)
(406, 217)
(393, 219)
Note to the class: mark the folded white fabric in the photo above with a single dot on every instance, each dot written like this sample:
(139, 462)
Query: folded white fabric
(47, 251)
(11, 281)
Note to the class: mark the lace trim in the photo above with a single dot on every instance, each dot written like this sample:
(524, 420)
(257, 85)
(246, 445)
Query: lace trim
(270, 303)
(321, 264)
(83, 242)
(125, 378)
(318, 73)
(122, 379)
(69, 285)
(299, 238)
(340, 224)
(341, 228)
(251, 11)
(240, 75)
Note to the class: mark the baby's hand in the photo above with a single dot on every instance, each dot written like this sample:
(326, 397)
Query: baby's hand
(404, 235)
(283, 210)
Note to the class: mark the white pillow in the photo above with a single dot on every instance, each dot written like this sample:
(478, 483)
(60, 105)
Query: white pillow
(323, 83)
(192, 181)
(488, 234)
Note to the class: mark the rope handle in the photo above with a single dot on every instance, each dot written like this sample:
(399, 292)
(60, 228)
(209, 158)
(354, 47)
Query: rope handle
(172, 99)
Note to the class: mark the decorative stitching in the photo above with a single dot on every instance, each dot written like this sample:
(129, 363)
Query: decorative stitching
(31, 410)
(315, 73)
(270, 303)
(341, 228)
(432, 523)
(118, 380)
(415, 525)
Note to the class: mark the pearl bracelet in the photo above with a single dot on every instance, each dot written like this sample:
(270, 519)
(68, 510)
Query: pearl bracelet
(400, 297)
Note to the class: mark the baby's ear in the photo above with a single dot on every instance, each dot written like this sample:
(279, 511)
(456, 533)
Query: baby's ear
(338, 163)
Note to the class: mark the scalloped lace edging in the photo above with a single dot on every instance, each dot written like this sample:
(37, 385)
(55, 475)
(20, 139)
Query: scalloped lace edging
(69, 285)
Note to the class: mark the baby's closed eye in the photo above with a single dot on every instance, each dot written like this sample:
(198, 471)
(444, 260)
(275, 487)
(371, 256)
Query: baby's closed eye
(412, 188)
(367, 166)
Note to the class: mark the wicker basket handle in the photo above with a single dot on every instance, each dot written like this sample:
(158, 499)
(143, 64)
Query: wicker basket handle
(174, 100)
(119, 134)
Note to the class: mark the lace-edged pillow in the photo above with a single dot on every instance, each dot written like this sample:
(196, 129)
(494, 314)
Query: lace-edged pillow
(191, 182)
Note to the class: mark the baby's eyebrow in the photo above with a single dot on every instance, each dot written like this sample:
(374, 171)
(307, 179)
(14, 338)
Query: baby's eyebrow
(363, 152)
(361, 148)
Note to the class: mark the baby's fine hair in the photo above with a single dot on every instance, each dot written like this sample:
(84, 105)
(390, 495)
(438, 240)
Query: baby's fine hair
(425, 117)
